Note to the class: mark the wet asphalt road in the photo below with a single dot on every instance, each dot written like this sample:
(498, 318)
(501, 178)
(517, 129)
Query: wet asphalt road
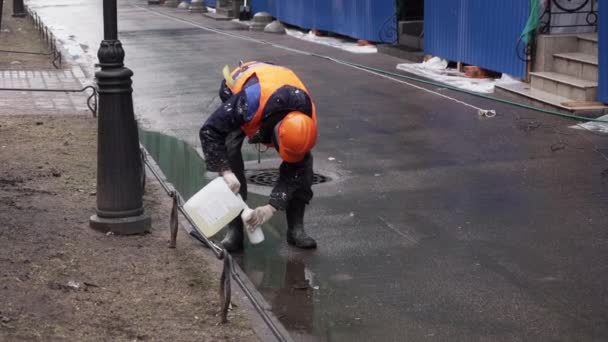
(442, 226)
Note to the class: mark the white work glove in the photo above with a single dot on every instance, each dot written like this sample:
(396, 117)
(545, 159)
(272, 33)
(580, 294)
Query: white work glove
(260, 216)
(232, 181)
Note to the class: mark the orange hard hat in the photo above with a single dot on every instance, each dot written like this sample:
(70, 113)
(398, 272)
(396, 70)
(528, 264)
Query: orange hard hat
(295, 136)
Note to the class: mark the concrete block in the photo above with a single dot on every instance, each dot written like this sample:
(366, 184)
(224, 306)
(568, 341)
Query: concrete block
(275, 27)
(262, 17)
(260, 20)
(171, 3)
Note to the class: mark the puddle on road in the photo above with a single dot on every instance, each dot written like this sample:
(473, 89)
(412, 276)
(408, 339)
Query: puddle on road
(286, 283)
(181, 163)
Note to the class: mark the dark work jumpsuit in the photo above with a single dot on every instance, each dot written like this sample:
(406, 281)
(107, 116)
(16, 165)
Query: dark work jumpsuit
(222, 139)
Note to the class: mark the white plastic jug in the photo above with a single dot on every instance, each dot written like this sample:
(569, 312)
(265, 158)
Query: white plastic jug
(214, 206)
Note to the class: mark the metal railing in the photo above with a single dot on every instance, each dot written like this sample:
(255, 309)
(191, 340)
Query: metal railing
(229, 272)
(556, 9)
(49, 38)
(91, 100)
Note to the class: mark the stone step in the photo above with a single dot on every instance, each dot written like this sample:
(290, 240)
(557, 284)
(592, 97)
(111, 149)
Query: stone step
(523, 91)
(413, 42)
(410, 34)
(216, 16)
(587, 43)
(576, 64)
(171, 3)
(570, 87)
(592, 37)
(227, 12)
(411, 27)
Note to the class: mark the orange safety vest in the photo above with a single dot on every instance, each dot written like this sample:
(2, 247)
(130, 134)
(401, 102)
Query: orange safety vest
(271, 78)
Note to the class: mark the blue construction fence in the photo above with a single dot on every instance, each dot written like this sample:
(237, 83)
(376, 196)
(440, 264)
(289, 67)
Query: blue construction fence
(485, 33)
(372, 20)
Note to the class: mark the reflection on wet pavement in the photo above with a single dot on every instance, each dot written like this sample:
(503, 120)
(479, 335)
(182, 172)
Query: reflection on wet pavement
(179, 162)
(285, 282)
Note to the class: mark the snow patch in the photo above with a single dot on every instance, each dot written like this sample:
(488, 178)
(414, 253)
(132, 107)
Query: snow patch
(72, 47)
(338, 43)
(437, 69)
(599, 127)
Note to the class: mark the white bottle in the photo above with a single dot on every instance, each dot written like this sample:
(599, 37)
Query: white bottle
(255, 235)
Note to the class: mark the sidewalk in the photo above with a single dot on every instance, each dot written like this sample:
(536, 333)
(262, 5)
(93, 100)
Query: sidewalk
(62, 281)
(31, 71)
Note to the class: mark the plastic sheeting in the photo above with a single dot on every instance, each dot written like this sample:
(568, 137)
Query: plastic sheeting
(594, 126)
(603, 53)
(437, 69)
(210, 3)
(373, 20)
(334, 42)
(478, 32)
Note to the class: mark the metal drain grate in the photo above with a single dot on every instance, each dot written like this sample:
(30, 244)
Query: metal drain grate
(269, 177)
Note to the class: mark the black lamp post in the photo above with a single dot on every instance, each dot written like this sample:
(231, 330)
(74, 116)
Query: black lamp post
(119, 163)
(18, 9)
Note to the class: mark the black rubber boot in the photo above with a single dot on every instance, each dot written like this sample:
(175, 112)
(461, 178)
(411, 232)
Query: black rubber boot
(296, 236)
(233, 241)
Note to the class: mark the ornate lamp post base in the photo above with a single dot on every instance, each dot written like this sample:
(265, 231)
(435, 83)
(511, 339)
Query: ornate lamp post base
(122, 226)
(120, 167)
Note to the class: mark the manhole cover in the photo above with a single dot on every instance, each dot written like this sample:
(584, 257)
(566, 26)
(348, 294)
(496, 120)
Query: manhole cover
(270, 177)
